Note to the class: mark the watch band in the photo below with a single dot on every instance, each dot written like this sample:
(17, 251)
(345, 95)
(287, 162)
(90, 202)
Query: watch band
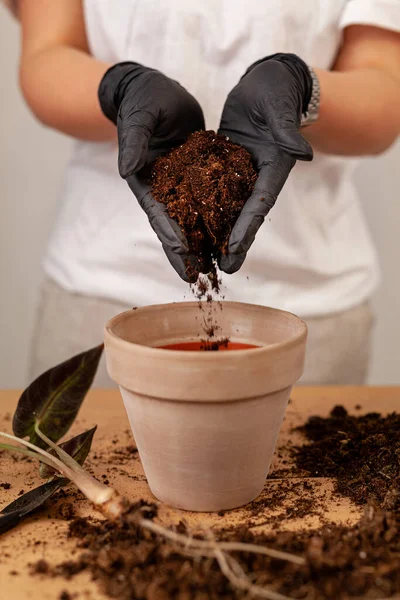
(312, 113)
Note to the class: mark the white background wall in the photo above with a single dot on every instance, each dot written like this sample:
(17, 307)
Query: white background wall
(31, 165)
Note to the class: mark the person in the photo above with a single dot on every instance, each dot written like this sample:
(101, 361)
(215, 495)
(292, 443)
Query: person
(131, 79)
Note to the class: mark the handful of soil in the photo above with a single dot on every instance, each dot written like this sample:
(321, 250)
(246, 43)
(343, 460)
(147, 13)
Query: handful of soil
(205, 184)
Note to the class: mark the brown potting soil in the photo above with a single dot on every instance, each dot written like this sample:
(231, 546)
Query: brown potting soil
(361, 453)
(199, 346)
(204, 183)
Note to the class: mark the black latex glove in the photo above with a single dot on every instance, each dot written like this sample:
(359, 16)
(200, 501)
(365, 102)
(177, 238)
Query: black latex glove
(263, 114)
(153, 114)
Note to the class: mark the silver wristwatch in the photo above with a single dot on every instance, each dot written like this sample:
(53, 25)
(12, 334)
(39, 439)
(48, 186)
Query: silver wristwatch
(312, 113)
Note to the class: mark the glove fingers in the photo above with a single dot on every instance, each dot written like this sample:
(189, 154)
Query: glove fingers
(186, 265)
(271, 179)
(167, 230)
(288, 137)
(134, 133)
(231, 263)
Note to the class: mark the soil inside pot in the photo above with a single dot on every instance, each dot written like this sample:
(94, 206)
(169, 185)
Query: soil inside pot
(206, 345)
(205, 184)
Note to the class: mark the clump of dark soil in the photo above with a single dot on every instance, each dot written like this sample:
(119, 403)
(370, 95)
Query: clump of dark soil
(341, 562)
(362, 453)
(41, 566)
(204, 183)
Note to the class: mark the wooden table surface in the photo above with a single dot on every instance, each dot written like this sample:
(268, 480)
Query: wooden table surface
(44, 535)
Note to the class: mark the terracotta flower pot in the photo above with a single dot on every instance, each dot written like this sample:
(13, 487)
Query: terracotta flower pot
(205, 423)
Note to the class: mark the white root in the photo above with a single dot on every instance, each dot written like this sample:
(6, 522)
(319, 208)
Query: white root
(254, 548)
(242, 582)
(226, 546)
(228, 565)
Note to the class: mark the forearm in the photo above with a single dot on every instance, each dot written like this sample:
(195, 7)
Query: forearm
(60, 85)
(359, 113)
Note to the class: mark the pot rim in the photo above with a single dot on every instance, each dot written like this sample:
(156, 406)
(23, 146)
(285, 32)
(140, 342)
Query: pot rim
(200, 354)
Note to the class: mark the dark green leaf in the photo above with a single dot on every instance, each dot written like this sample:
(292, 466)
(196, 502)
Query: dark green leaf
(55, 397)
(78, 447)
(12, 514)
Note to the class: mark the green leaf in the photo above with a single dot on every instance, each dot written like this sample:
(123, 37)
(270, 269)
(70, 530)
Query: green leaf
(78, 447)
(12, 514)
(54, 398)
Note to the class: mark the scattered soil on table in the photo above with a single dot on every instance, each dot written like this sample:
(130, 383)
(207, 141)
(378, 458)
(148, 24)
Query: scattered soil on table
(283, 501)
(41, 566)
(204, 183)
(341, 562)
(129, 562)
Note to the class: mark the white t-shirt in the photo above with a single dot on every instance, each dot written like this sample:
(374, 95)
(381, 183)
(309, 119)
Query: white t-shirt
(313, 255)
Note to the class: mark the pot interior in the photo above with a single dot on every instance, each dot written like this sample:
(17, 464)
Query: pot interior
(182, 323)
(136, 363)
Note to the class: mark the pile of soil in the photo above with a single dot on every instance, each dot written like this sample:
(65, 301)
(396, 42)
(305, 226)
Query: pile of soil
(341, 563)
(360, 452)
(204, 183)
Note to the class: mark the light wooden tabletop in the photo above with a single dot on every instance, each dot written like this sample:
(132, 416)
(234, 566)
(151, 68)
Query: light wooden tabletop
(44, 535)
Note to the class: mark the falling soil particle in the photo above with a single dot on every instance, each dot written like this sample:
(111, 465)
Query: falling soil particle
(341, 562)
(5, 486)
(204, 183)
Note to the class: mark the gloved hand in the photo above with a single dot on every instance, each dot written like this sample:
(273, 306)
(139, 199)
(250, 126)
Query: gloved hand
(153, 114)
(263, 114)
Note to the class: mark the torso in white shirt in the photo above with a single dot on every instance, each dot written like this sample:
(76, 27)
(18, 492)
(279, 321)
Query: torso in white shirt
(312, 256)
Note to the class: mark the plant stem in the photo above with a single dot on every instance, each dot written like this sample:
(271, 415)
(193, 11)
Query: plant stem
(63, 456)
(96, 492)
(26, 452)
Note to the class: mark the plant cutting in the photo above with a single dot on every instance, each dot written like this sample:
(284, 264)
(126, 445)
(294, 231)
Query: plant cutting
(51, 401)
